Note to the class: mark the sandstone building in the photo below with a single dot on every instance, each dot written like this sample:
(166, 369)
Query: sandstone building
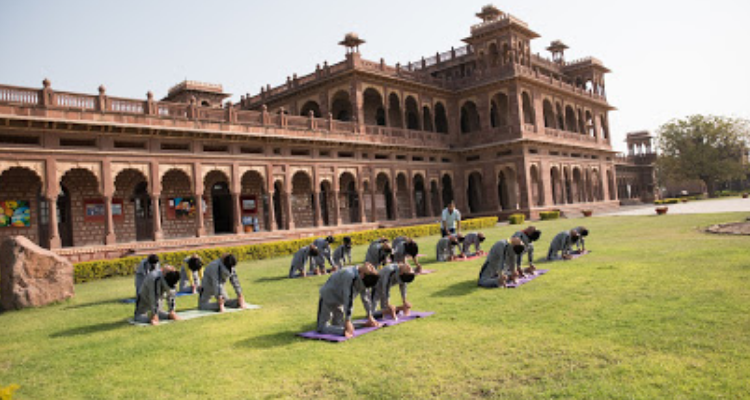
(352, 145)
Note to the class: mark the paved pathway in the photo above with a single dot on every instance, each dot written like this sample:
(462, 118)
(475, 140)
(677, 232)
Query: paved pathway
(694, 207)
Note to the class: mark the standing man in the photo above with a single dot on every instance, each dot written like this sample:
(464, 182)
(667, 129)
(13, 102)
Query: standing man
(451, 223)
(214, 278)
(337, 299)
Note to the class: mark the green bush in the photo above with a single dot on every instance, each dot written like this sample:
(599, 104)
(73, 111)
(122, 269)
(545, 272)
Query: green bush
(667, 201)
(93, 270)
(517, 219)
(549, 215)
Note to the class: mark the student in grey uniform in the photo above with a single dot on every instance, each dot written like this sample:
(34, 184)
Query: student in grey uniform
(324, 254)
(528, 236)
(562, 244)
(304, 255)
(191, 274)
(499, 267)
(472, 239)
(446, 248)
(393, 274)
(157, 285)
(337, 299)
(378, 253)
(214, 278)
(342, 256)
(147, 265)
(581, 242)
(406, 247)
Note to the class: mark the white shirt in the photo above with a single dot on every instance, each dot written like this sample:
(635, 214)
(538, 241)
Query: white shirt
(450, 218)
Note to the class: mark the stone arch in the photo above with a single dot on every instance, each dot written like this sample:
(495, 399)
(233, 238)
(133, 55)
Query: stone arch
(373, 107)
(341, 106)
(311, 105)
(507, 189)
(590, 128)
(475, 192)
(611, 183)
(578, 190)
(81, 187)
(447, 182)
(499, 110)
(384, 197)
(131, 186)
(253, 187)
(441, 118)
(560, 117)
(568, 185)
(557, 186)
(494, 55)
(596, 186)
(394, 111)
(537, 187)
(469, 117)
(604, 126)
(412, 114)
(528, 109)
(581, 123)
(22, 209)
(435, 197)
(302, 200)
(178, 204)
(403, 194)
(571, 124)
(219, 217)
(549, 115)
(278, 204)
(427, 119)
(420, 196)
(325, 197)
(348, 199)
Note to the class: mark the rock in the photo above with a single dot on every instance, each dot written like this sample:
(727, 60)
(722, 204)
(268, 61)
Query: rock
(31, 276)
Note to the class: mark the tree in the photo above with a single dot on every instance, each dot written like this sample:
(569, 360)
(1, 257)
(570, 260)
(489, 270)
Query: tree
(710, 148)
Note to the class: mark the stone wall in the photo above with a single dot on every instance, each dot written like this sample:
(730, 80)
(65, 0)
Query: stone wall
(21, 185)
(83, 186)
(177, 184)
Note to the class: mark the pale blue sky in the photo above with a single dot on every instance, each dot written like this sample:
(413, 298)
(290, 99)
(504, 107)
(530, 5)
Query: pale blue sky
(669, 58)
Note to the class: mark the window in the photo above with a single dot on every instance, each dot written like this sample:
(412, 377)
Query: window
(19, 139)
(300, 153)
(251, 150)
(175, 146)
(67, 142)
(473, 158)
(129, 145)
(215, 148)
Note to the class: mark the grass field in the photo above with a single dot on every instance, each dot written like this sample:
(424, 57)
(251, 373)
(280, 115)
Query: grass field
(657, 311)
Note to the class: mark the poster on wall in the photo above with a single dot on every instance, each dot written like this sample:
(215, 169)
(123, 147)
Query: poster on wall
(181, 208)
(15, 213)
(249, 204)
(94, 210)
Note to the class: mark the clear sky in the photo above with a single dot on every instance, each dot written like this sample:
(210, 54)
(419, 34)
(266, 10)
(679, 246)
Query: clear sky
(669, 58)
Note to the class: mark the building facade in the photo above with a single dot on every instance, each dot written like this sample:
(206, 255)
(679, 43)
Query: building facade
(355, 144)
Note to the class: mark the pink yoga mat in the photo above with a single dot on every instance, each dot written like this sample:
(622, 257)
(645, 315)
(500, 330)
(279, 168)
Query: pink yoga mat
(361, 331)
(427, 272)
(577, 254)
(528, 279)
(474, 257)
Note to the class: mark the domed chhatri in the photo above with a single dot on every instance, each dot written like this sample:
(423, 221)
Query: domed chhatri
(351, 42)
(489, 13)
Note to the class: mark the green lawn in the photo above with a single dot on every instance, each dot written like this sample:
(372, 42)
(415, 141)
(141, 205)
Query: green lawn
(657, 311)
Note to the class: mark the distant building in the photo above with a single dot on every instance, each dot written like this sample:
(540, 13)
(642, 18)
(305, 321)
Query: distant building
(353, 145)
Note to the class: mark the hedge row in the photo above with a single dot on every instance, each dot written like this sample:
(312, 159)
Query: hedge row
(93, 270)
(517, 219)
(549, 215)
(667, 201)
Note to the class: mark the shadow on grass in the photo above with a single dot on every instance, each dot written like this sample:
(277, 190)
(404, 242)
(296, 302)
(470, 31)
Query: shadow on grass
(91, 329)
(457, 289)
(271, 279)
(278, 339)
(97, 303)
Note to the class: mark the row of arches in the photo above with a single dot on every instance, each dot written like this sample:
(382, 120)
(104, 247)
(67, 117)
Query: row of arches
(572, 121)
(379, 112)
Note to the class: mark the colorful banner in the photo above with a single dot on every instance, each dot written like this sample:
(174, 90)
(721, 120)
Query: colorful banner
(181, 208)
(15, 214)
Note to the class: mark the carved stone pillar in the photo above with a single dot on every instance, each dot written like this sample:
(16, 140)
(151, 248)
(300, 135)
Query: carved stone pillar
(270, 210)
(317, 214)
(238, 228)
(373, 208)
(336, 210)
(156, 216)
(361, 203)
(110, 237)
(287, 200)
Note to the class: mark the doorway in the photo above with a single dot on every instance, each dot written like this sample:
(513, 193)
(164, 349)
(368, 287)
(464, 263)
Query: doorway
(144, 221)
(221, 200)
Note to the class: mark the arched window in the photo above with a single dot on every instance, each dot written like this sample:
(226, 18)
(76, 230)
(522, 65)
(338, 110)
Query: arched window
(441, 118)
(427, 119)
(373, 107)
(570, 119)
(412, 114)
(469, 118)
(549, 115)
(341, 106)
(499, 110)
(310, 106)
(394, 111)
(528, 110)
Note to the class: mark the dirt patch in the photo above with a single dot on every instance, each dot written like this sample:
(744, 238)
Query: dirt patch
(735, 228)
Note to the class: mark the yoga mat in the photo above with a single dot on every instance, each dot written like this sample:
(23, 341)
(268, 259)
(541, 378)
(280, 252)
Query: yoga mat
(427, 272)
(362, 331)
(528, 279)
(179, 294)
(192, 314)
(474, 257)
(577, 254)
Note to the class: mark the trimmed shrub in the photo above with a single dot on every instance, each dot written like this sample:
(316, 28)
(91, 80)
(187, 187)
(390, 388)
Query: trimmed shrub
(549, 215)
(93, 270)
(667, 201)
(517, 219)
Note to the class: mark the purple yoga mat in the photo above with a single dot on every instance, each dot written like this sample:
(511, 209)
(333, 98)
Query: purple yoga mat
(577, 254)
(474, 257)
(427, 272)
(361, 331)
(528, 279)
